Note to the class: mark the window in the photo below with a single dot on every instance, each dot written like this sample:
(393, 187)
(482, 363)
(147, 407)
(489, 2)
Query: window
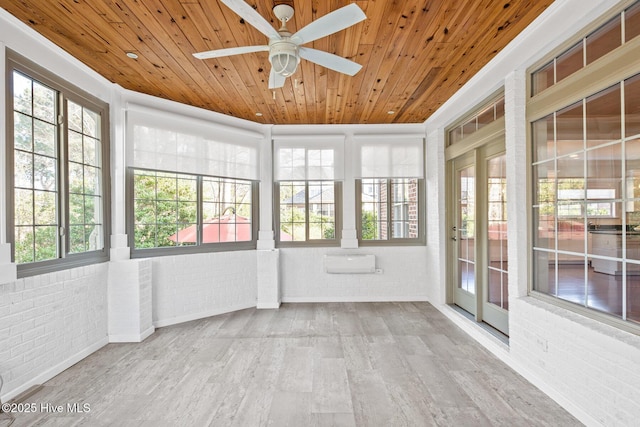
(308, 211)
(595, 45)
(308, 191)
(172, 210)
(192, 186)
(389, 210)
(58, 172)
(586, 215)
(477, 121)
(389, 190)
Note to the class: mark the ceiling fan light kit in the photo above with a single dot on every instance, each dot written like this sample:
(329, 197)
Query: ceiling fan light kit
(285, 49)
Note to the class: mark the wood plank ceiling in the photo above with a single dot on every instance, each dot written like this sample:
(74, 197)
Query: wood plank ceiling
(415, 53)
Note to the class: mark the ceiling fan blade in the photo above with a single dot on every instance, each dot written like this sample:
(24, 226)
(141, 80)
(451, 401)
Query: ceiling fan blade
(330, 23)
(275, 80)
(230, 51)
(329, 60)
(249, 14)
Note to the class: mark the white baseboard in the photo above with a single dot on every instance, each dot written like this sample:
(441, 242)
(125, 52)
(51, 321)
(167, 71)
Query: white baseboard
(195, 316)
(356, 299)
(267, 305)
(121, 338)
(55, 370)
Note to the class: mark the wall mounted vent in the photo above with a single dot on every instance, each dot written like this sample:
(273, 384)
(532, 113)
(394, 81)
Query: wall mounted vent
(350, 264)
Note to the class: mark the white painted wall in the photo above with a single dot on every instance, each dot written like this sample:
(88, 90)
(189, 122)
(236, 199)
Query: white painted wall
(188, 287)
(592, 369)
(50, 322)
(404, 276)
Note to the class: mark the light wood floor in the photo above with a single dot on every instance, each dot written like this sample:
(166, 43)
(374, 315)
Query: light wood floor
(335, 364)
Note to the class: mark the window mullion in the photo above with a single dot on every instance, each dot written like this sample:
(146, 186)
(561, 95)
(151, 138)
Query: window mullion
(63, 182)
(306, 211)
(199, 211)
(389, 185)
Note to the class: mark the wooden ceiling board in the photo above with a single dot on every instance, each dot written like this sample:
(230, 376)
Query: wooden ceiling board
(415, 53)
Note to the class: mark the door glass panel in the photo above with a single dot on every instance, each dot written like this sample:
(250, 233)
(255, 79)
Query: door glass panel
(466, 229)
(497, 231)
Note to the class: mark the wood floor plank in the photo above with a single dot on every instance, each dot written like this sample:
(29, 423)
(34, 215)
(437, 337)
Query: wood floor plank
(334, 364)
(331, 393)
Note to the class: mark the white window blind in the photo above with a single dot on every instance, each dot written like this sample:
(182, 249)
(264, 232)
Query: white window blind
(388, 156)
(171, 142)
(304, 158)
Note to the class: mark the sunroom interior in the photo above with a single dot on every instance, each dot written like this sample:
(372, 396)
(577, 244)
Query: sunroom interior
(513, 209)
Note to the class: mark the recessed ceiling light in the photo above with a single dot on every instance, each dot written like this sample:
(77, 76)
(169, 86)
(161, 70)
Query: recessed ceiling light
(132, 55)
(391, 112)
(259, 114)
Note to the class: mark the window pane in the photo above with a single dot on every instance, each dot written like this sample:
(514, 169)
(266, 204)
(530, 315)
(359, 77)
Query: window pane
(543, 139)
(321, 210)
(632, 22)
(632, 105)
(23, 169)
(45, 208)
(455, 135)
(569, 129)
(604, 172)
(374, 209)
(293, 211)
(23, 207)
(404, 212)
(571, 278)
(91, 123)
(44, 173)
(542, 78)
(24, 244)
(604, 39)
(603, 117)
(44, 103)
(75, 116)
(75, 147)
(22, 132)
(22, 94)
(44, 138)
(91, 151)
(46, 240)
(569, 62)
(633, 292)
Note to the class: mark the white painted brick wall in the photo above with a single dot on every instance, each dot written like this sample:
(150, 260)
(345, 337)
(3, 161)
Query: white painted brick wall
(594, 366)
(404, 276)
(188, 287)
(130, 300)
(49, 322)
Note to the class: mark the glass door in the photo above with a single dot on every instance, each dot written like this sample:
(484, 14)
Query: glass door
(496, 292)
(463, 233)
(478, 233)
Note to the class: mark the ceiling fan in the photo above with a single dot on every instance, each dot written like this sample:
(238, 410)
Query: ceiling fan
(285, 49)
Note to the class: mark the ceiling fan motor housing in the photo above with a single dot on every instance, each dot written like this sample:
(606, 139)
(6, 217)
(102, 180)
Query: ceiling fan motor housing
(283, 55)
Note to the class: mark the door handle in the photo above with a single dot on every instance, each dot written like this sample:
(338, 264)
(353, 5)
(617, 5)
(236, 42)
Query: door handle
(454, 238)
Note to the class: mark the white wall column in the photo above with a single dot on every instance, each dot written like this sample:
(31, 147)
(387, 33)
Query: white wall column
(515, 97)
(349, 234)
(119, 245)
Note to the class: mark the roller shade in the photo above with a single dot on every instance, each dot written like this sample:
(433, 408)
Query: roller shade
(171, 142)
(297, 159)
(388, 156)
